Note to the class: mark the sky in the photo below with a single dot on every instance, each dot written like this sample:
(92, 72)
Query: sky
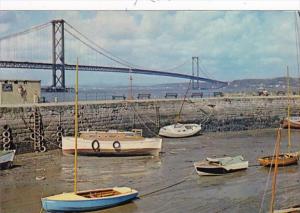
(230, 44)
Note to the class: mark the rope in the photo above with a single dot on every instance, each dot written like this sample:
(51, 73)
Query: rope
(141, 121)
(267, 183)
(169, 186)
(181, 107)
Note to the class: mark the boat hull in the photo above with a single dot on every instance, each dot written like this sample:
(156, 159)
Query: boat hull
(180, 130)
(147, 146)
(6, 159)
(294, 209)
(204, 168)
(283, 160)
(92, 204)
(294, 123)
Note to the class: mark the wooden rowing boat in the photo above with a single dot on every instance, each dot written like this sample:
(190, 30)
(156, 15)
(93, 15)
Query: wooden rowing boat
(283, 160)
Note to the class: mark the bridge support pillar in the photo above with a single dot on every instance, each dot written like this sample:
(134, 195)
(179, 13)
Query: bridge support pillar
(195, 68)
(58, 56)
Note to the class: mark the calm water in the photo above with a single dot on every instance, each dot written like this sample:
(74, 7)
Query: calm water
(107, 93)
(236, 192)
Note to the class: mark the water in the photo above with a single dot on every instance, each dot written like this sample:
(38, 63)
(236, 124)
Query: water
(90, 94)
(235, 192)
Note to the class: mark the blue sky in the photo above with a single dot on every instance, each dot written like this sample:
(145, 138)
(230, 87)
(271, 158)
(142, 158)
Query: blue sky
(230, 44)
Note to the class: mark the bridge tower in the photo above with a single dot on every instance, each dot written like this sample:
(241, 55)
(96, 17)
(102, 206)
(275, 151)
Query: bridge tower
(58, 56)
(195, 68)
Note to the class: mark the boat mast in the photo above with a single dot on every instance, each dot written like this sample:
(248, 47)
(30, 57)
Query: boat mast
(76, 128)
(181, 107)
(277, 149)
(288, 110)
(130, 95)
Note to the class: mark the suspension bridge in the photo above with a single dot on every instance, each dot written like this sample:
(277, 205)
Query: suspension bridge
(26, 50)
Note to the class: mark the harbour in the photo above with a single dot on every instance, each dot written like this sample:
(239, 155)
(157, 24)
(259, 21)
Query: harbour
(129, 137)
(235, 192)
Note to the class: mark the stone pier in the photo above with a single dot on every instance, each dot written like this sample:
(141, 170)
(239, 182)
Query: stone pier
(216, 114)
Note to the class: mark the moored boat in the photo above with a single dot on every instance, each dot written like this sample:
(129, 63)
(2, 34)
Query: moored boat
(293, 209)
(7, 158)
(220, 166)
(293, 120)
(285, 159)
(112, 142)
(88, 200)
(180, 130)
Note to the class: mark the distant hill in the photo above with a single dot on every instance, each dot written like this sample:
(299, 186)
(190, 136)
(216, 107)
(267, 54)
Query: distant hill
(272, 84)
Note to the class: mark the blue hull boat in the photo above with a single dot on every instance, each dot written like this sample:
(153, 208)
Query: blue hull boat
(88, 200)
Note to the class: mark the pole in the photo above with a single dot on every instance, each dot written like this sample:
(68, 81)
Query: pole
(76, 128)
(277, 148)
(288, 109)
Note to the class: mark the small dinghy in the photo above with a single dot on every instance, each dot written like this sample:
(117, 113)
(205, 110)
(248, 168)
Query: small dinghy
(283, 160)
(220, 166)
(88, 200)
(180, 130)
(7, 158)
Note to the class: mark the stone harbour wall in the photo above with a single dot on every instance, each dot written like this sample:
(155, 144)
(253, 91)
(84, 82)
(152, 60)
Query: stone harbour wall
(216, 114)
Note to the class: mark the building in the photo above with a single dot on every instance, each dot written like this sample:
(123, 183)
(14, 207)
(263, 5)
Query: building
(19, 91)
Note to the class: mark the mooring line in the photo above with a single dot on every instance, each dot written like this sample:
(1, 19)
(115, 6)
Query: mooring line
(169, 186)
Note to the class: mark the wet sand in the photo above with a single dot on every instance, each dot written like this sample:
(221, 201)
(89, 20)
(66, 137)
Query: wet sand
(20, 192)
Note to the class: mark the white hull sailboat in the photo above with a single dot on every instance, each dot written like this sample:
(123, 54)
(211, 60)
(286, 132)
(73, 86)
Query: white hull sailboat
(112, 143)
(180, 130)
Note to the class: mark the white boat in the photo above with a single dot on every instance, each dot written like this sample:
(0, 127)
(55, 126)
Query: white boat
(220, 166)
(7, 158)
(180, 130)
(111, 143)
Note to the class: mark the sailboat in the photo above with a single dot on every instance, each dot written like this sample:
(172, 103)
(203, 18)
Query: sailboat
(288, 158)
(179, 130)
(89, 200)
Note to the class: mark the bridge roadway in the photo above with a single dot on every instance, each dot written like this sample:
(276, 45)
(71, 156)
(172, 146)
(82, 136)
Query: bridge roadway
(49, 66)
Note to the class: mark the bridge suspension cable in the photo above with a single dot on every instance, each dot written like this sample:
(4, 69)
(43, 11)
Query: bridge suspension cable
(34, 28)
(128, 64)
(96, 50)
(111, 55)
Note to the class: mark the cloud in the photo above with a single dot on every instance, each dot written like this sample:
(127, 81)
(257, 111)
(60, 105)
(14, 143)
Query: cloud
(230, 44)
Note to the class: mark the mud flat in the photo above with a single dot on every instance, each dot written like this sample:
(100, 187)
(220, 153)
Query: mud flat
(235, 192)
